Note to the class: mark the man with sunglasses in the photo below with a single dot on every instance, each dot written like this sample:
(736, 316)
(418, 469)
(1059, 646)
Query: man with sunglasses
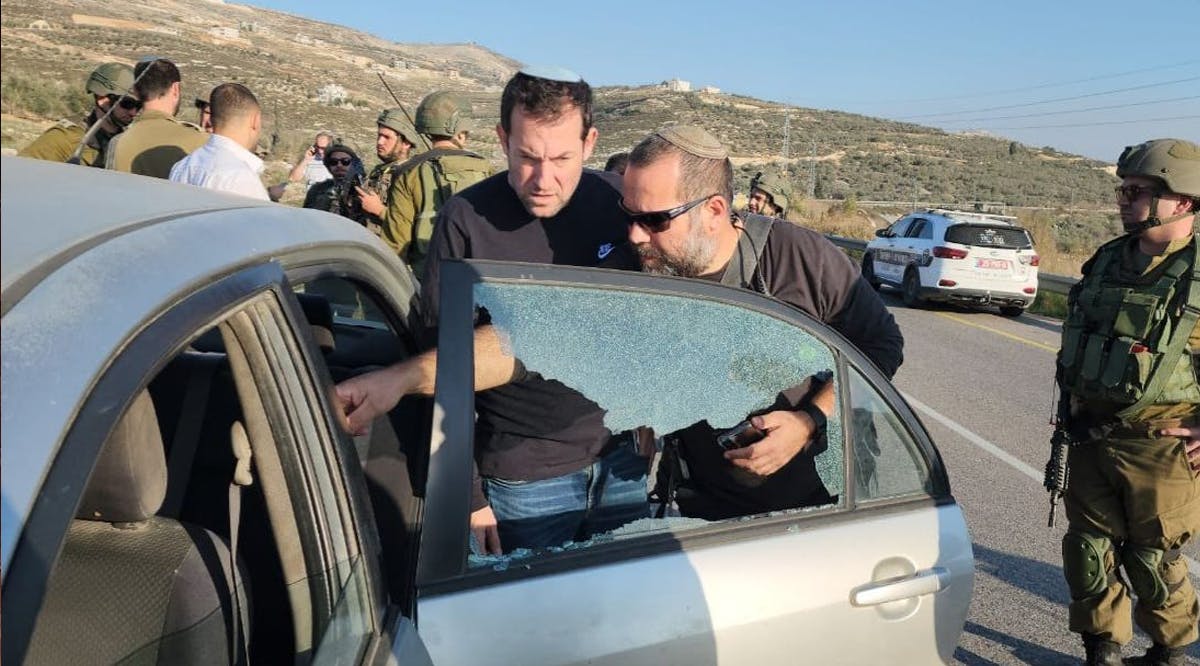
(1127, 371)
(678, 191)
(542, 448)
(336, 194)
(204, 113)
(109, 85)
(156, 140)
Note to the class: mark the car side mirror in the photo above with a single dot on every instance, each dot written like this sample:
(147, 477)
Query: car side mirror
(883, 233)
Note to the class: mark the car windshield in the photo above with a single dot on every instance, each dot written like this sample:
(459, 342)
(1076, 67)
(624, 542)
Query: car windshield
(989, 235)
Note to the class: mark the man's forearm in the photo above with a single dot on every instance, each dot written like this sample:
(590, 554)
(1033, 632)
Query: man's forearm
(493, 365)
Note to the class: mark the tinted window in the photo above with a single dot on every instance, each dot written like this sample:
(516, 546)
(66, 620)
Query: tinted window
(887, 461)
(918, 229)
(988, 235)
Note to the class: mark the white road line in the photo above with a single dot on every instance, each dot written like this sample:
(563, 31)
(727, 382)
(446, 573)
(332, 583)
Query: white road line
(1015, 463)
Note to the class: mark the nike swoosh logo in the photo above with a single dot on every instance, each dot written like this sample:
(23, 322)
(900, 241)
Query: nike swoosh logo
(604, 250)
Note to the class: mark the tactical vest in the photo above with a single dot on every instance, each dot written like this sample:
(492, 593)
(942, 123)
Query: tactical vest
(379, 182)
(1125, 340)
(441, 174)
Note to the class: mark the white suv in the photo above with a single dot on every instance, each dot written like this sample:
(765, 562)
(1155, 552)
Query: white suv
(948, 255)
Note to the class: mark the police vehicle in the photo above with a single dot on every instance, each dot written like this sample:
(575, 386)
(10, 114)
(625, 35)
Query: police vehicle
(955, 256)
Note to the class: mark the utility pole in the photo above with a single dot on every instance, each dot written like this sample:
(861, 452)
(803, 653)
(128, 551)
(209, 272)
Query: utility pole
(812, 168)
(787, 140)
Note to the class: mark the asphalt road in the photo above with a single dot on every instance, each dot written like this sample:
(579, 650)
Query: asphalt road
(982, 385)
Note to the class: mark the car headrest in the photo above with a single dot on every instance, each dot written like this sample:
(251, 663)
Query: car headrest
(130, 478)
(319, 314)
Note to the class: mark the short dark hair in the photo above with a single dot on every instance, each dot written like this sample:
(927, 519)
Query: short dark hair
(231, 102)
(617, 162)
(545, 99)
(154, 78)
(699, 176)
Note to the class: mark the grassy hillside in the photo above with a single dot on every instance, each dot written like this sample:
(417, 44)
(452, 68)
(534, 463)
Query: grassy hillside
(47, 47)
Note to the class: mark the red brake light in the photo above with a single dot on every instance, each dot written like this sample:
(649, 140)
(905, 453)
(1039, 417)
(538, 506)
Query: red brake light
(1031, 260)
(949, 253)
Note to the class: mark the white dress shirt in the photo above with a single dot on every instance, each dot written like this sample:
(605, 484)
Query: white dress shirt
(222, 164)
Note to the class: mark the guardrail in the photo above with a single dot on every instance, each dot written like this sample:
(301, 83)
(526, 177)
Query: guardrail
(1054, 284)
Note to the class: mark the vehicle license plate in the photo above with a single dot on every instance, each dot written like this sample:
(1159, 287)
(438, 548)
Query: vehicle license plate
(1001, 264)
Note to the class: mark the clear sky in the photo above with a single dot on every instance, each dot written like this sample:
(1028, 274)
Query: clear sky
(1082, 76)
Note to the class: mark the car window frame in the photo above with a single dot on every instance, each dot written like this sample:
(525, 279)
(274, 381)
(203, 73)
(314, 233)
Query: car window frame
(442, 565)
(147, 351)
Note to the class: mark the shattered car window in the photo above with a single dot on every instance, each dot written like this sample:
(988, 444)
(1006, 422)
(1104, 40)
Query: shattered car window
(660, 361)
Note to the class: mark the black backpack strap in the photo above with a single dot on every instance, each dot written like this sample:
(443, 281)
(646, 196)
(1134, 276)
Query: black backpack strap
(741, 271)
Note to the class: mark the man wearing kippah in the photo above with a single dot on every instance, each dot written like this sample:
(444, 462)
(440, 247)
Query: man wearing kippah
(549, 470)
(678, 192)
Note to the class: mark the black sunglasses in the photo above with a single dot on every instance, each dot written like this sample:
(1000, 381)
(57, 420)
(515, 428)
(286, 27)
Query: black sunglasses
(658, 221)
(344, 161)
(1134, 192)
(127, 103)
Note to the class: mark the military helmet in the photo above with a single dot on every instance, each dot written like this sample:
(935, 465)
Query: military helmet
(395, 119)
(774, 186)
(111, 78)
(1174, 161)
(443, 114)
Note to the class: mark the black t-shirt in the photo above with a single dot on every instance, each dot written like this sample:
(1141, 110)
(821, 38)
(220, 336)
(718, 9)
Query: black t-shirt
(802, 268)
(533, 428)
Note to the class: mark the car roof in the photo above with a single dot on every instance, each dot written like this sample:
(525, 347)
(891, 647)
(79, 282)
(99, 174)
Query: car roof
(966, 217)
(89, 205)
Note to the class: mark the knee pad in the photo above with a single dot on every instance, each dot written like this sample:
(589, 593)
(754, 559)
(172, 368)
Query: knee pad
(1143, 567)
(1083, 563)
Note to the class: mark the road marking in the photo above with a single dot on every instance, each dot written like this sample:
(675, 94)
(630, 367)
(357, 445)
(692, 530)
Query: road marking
(1031, 343)
(1014, 462)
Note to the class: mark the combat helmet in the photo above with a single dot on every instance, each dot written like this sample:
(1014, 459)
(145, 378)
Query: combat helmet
(110, 78)
(395, 119)
(775, 187)
(443, 114)
(1173, 161)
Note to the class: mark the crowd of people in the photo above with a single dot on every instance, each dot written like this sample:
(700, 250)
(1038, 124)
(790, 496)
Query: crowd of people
(1128, 365)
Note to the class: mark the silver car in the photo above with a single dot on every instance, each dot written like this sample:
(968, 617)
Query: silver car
(177, 488)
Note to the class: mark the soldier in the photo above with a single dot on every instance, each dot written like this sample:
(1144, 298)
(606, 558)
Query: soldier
(109, 85)
(335, 195)
(394, 140)
(617, 162)
(1127, 371)
(424, 182)
(157, 139)
(769, 195)
(204, 113)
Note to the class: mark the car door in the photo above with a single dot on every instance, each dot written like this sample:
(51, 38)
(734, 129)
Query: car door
(880, 573)
(889, 260)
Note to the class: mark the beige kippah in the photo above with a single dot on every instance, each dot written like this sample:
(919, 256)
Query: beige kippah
(694, 141)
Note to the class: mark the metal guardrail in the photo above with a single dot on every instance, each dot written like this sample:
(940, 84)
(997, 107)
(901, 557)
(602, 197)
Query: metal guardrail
(1054, 284)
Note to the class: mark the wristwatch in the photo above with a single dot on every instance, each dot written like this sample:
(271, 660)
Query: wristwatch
(818, 417)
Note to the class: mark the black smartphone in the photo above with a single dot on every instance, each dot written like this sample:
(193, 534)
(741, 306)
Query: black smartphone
(739, 436)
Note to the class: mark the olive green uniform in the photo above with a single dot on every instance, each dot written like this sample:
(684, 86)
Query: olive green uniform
(382, 181)
(58, 144)
(418, 190)
(153, 143)
(1132, 499)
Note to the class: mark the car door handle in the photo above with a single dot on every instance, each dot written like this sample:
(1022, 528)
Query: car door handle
(922, 582)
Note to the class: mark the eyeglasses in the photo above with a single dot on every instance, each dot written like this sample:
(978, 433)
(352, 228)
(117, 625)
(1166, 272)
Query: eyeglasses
(1134, 192)
(343, 161)
(658, 221)
(125, 102)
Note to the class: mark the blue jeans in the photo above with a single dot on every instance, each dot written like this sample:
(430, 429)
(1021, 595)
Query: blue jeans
(573, 507)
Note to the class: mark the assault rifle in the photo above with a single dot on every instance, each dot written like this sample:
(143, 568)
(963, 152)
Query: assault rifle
(1057, 471)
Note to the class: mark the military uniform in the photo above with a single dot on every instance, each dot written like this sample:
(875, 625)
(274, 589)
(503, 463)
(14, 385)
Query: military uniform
(419, 188)
(153, 143)
(1129, 367)
(58, 144)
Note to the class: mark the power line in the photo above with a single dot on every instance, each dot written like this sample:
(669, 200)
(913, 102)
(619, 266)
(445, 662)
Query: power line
(1051, 85)
(1092, 108)
(1097, 124)
(1057, 99)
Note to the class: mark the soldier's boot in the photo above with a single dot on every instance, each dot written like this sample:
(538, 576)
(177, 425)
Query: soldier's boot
(1160, 655)
(1100, 652)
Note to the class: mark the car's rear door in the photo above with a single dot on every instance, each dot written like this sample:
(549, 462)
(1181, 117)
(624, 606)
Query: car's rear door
(882, 573)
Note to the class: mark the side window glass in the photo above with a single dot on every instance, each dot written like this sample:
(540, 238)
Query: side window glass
(915, 230)
(616, 362)
(347, 300)
(887, 462)
(927, 231)
(900, 227)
